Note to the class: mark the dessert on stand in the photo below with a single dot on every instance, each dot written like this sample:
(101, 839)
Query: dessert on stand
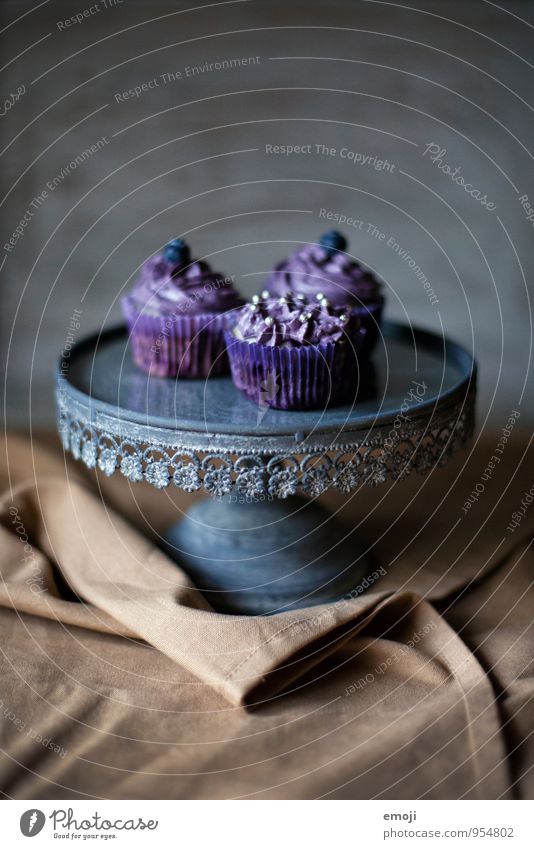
(326, 271)
(175, 315)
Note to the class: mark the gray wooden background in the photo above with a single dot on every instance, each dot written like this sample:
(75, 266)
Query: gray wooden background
(188, 153)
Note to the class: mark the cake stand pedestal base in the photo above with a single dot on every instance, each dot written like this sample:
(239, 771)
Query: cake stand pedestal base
(264, 557)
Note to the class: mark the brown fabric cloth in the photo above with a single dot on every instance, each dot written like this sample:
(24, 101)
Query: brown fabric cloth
(119, 681)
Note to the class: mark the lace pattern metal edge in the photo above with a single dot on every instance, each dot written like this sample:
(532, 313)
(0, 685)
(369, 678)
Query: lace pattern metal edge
(389, 455)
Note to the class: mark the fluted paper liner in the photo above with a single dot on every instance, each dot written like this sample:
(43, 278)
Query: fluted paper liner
(298, 378)
(176, 345)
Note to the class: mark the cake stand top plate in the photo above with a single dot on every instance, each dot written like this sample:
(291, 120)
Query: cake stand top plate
(103, 378)
(423, 388)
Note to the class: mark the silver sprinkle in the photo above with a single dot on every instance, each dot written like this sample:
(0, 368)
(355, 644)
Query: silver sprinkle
(269, 321)
(253, 307)
(265, 294)
(303, 318)
(343, 317)
(282, 301)
(319, 296)
(325, 302)
(255, 299)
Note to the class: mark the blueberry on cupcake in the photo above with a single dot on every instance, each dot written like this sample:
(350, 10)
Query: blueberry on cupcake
(175, 315)
(288, 352)
(325, 271)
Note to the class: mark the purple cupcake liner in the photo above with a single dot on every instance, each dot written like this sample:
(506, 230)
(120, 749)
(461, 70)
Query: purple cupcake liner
(370, 316)
(357, 370)
(299, 378)
(176, 345)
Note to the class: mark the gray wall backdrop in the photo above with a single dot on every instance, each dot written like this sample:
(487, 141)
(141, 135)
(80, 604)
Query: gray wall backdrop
(187, 154)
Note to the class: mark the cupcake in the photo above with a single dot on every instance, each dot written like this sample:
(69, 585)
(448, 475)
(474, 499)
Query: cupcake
(175, 315)
(324, 270)
(290, 353)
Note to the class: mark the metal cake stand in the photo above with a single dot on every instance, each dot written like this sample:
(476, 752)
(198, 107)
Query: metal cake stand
(256, 546)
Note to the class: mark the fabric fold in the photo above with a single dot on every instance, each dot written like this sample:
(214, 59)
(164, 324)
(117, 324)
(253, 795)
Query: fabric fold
(127, 586)
(403, 680)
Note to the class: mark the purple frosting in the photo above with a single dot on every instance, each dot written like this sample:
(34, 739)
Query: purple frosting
(313, 269)
(290, 323)
(190, 288)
